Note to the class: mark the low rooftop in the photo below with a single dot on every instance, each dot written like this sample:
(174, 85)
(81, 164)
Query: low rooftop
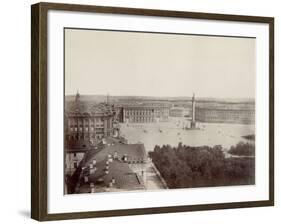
(120, 172)
(133, 152)
(88, 108)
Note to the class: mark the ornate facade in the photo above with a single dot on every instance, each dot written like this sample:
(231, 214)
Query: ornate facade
(88, 122)
(85, 126)
(145, 113)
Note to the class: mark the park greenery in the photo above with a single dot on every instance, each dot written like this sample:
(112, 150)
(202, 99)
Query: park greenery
(250, 137)
(186, 166)
(242, 149)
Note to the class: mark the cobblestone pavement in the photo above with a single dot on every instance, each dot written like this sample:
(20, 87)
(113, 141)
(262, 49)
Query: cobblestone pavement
(151, 134)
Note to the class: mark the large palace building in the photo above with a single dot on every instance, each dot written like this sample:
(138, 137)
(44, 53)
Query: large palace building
(176, 112)
(144, 113)
(85, 126)
(88, 122)
(235, 113)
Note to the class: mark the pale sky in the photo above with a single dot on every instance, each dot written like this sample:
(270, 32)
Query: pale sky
(147, 64)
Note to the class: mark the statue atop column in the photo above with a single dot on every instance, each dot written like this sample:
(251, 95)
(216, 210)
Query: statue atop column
(193, 122)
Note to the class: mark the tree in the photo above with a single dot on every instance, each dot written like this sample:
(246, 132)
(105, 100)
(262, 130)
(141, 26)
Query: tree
(186, 166)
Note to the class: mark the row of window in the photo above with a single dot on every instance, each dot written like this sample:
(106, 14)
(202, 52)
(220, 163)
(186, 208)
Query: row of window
(97, 135)
(145, 112)
(86, 126)
(141, 120)
(73, 121)
(86, 129)
(224, 114)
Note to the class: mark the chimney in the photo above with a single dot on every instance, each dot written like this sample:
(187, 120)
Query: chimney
(92, 187)
(109, 158)
(103, 141)
(86, 179)
(115, 156)
(113, 180)
(92, 170)
(107, 169)
(125, 157)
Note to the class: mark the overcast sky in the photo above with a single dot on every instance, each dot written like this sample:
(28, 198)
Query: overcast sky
(145, 64)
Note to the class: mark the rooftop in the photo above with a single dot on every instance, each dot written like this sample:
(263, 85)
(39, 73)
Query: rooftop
(146, 106)
(134, 152)
(112, 157)
(120, 172)
(88, 108)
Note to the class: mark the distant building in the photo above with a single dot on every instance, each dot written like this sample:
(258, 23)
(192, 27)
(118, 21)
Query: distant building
(227, 113)
(177, 112)
(144, 113)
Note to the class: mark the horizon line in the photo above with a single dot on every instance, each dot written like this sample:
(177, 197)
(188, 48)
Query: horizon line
(214, 97)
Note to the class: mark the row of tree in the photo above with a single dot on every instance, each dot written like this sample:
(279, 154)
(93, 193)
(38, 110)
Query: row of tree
(243, 149)
(186, 166)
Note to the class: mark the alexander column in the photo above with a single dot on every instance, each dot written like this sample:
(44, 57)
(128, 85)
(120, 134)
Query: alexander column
(193, 122)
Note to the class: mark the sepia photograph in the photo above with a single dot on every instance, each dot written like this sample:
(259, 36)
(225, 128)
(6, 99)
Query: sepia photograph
(146, 111)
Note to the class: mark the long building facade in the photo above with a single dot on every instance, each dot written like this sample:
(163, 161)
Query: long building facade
(225, 115)
(144, 113)
(176, 112)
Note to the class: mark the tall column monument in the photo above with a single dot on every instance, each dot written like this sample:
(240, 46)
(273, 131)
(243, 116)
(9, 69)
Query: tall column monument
(193, 122)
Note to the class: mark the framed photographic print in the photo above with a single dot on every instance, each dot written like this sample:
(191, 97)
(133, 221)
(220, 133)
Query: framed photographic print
(141, 111)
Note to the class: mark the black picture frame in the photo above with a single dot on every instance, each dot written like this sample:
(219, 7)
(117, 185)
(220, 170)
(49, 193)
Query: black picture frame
(39, 108)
